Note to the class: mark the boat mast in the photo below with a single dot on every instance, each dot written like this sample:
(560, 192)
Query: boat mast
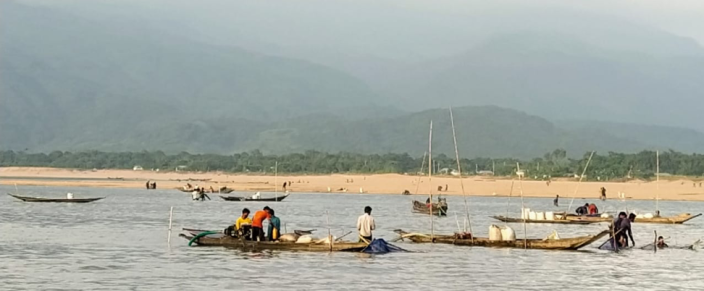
(422, 166)
(430, 175)
(276, 182)
(657, 180)
(584, 171)
(459, 171)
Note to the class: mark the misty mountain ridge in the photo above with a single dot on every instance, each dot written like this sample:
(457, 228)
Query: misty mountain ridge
(102, 78)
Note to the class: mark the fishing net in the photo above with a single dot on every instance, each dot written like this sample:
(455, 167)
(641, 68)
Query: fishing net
(380, 246)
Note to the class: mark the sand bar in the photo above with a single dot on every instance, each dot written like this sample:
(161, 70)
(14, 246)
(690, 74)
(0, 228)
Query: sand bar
(683, 189)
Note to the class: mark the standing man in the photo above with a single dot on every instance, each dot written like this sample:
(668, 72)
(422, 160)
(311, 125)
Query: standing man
(603, 194)
(557, 198)
(258, 223)
(365, 225)
(274, 230)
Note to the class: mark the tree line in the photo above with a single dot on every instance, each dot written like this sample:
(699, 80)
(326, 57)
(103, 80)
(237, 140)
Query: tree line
(554, 164)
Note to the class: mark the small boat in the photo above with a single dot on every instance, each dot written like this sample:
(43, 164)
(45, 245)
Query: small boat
(272, 199)
(62, 200)
(439, 209)
(220, 239)
(223, 190)
(677, 219)
(554, 221)
(574, 243)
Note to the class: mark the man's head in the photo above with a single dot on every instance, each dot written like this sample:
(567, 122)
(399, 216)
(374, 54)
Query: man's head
(622, 214)
(266, 208)
(632, 217)
(245, 213)
(271, 212)
(368, 210)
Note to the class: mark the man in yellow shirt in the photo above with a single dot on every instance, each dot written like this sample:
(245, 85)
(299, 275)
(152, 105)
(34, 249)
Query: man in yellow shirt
(243, 224)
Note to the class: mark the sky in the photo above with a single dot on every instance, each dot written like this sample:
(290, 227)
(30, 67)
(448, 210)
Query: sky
(681, 17)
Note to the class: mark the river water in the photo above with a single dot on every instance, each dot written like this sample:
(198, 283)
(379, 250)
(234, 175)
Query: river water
(120, 243)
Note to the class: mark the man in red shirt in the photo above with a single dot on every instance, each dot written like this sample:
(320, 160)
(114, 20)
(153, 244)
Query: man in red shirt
(258, 223)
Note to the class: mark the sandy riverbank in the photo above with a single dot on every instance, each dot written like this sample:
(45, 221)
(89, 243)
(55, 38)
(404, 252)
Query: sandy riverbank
(379, 184)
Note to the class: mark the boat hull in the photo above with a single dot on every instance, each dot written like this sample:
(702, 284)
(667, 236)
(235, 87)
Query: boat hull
(55, 200)
(677, 219)
(242, 199)
(420, 207)
(556, 221)
(558, 244)
(246, 245)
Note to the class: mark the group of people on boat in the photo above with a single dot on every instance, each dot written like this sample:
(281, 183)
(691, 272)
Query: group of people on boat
(253, 228)
(587, 209)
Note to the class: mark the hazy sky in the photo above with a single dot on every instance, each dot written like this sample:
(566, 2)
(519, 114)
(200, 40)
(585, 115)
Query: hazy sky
(682, 17)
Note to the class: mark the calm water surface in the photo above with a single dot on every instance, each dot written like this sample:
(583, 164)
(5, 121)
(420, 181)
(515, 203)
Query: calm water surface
(120, 243)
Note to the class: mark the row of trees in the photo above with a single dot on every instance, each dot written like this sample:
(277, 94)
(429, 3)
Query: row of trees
(554, 164)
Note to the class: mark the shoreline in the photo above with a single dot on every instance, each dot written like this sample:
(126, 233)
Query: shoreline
(390, 184)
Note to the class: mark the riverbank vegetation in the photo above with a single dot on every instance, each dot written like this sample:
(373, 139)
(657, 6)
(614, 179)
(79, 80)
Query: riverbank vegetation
(556, 164)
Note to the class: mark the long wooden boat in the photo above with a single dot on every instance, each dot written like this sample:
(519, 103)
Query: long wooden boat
(676, 219)
(574, 243)
(272, 199)
(439, 209)
(554, 221)
(223, 240)
(55, 200)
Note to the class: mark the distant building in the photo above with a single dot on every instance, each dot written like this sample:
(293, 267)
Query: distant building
(520, 173)
(137, 168)
(485, 173)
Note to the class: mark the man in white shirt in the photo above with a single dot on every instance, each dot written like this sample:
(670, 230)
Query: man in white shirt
(365, 225)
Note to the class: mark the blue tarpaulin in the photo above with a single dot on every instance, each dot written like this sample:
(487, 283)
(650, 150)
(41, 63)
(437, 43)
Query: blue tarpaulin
(380, 246)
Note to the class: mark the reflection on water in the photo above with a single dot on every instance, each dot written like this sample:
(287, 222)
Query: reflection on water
(121, 243)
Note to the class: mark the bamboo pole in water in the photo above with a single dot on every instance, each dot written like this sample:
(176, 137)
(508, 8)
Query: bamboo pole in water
(171, 216)
(579, 182)
(327, 214)
(459, 171)
(508, 204)
(520, 187)
(276, 181)
(430, 184)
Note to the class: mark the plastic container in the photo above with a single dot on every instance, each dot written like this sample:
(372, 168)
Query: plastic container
(494, 233)
(549, 215)
(507, 234)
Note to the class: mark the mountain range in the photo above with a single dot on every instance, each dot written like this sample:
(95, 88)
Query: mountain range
(92, 78)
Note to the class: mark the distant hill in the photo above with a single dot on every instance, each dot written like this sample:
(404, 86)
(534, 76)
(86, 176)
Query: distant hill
(657, 137)
(559, 76)
(64, 79)
(485, 131)
(71, 82)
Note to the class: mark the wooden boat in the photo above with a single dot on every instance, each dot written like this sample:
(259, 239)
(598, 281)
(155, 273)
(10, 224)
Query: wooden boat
(677, 219)
(219, 239)
(62, 200)
(223, 190)
(439, 209)
(574, 243)
(555, 221)
(272, 199)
